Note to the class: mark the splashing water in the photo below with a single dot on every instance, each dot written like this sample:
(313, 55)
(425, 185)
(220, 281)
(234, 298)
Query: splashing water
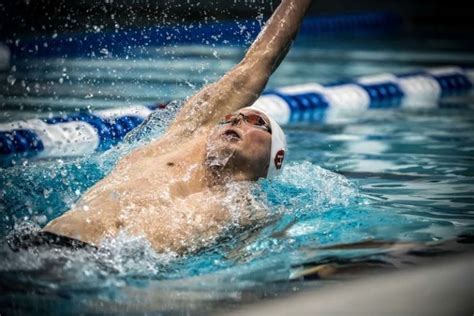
(414, 182)
(303, 191)
(216, 158)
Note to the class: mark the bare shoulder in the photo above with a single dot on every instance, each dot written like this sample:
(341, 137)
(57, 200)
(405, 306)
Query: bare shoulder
(171, 141)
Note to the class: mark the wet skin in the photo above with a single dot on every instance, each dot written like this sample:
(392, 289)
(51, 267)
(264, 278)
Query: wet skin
(247, 145)
(180, 191)
(171, 194)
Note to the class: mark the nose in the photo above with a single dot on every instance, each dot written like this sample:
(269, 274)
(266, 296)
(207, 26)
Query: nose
(236, 120)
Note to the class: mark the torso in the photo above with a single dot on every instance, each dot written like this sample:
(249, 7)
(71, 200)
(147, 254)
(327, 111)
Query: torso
(158, 192)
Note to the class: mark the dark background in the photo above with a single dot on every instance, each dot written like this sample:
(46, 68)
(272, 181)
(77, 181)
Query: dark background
(32, 17)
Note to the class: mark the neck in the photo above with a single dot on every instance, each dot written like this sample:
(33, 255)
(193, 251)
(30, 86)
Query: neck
(202, 172)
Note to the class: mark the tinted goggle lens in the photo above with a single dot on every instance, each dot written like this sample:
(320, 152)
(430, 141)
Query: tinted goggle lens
(253, 119)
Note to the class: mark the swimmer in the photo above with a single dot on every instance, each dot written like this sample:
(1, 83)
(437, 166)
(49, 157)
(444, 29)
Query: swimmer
(173, 191)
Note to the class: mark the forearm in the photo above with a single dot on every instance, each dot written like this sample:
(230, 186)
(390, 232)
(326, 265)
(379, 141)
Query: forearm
(269, 48)
(273, 42)
(242, 85)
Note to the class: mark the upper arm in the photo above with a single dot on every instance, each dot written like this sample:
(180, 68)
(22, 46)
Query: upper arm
(238, 88)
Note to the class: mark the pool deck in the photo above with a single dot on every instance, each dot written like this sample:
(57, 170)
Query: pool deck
(445, 287)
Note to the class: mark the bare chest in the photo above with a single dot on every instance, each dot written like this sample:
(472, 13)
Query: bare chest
(160, 197)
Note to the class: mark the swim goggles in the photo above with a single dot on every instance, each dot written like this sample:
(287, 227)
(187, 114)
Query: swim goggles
(252, 118)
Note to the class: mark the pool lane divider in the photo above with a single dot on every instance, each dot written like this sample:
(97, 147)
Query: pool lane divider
(133, 40)
(83, 133)
(336, 101)
(71, 135)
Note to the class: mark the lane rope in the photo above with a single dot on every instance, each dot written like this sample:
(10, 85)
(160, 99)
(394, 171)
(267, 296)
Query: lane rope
(83, 133)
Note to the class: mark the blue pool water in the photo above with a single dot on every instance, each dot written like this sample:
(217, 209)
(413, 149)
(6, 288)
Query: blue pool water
(389, 176)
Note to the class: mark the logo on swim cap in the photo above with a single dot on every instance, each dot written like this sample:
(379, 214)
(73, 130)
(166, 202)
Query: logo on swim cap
(279, 156)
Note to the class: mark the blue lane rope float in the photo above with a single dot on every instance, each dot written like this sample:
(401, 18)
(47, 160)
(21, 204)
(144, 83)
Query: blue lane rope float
(70, 135)
(336, 101)
(130, 41)
(83, 133)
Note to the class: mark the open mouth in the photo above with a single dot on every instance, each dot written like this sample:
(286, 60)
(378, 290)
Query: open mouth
(231, 135)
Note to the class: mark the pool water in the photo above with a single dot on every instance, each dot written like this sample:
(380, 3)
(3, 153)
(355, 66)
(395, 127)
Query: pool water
(404, 176)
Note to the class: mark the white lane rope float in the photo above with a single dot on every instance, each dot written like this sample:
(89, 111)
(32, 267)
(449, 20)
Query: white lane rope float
(83, 133)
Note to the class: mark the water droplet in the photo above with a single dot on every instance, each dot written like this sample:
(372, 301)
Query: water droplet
(11, 80)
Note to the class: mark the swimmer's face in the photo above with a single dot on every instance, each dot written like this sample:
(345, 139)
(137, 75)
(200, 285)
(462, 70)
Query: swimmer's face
(242, 144)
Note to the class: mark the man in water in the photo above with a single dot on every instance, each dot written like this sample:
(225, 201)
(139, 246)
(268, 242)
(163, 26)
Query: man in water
(173, 191)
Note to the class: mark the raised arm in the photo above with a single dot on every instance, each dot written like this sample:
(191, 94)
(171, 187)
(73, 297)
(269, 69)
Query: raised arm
(242, 85)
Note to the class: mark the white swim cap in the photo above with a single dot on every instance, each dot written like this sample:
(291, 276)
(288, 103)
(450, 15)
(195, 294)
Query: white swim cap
(279, 147)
